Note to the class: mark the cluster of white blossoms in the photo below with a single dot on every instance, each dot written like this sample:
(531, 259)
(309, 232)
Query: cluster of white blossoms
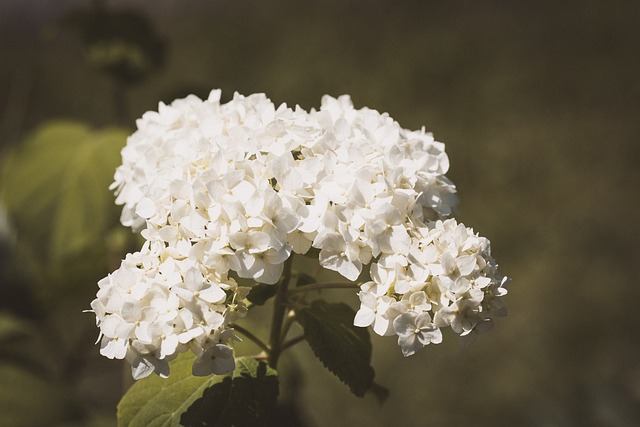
(160, 303)
(446, 278)
(219, 190)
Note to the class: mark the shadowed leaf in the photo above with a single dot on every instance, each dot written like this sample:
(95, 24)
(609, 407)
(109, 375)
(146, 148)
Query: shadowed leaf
(239, 398)
(342, 347)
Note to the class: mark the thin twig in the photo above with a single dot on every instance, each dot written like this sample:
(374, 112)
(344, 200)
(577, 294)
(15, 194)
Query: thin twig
(251, 337)
(288, 321)
(279, 309)
(292, 342)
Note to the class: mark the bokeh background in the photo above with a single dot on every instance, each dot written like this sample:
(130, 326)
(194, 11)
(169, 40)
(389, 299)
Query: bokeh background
(538, 103)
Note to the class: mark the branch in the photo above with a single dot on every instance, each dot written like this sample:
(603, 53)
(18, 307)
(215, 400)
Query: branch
(288, 322)
(292, 342)
(279, 309)
(251, 337)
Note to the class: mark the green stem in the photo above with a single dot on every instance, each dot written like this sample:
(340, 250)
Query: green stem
(251, 337)
(288, 321)
(292, 342)
(326, 285)
(279, 310)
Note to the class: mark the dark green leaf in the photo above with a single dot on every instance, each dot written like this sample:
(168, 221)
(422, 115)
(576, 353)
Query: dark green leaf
(249, 391)
(343, 348)
(261, 293)
(380, 392)
(248, 398)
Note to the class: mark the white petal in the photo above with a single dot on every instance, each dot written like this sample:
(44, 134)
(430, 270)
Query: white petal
(184, 294)
(405, 324)
(430, 336)
(114, 348)
(299, 242)
(146, 208)
(364, 317)
(215, 360)
(212, 294)
(382, 326)
(402, 286)
(466, 264)
(269, 274)
(169, 345)
(445, 316)
(448, 263)
(409, 344)
(141, 368)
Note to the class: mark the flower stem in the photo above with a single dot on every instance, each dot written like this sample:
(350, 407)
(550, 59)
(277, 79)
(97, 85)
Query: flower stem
(288, 321)
(251, 337)
(326, 285)
(292, 342)
(279, 310)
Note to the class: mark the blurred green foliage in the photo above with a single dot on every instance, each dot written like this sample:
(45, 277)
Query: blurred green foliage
(27, 379)
(124, 45)
(55, 190)
(537, 103)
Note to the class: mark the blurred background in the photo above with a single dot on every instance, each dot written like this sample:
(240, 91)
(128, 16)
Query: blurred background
(538, 104)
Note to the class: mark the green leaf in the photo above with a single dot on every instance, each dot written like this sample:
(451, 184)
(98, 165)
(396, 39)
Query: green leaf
(261, 293)
(250, 391)
(55, 189)
(247, 398)
(380, 392)
(344, 349)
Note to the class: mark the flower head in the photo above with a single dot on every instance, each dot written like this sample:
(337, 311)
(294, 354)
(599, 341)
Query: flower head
(448, 276)
(156, 306)
(224, 190)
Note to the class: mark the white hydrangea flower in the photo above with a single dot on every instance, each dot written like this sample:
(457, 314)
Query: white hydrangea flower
(448, 279)
(345, 181)
(373, 311)
(415, 331)
(222, 190)
(156, 306)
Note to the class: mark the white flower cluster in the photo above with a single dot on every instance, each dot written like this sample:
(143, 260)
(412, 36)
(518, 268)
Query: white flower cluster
(233, 189)
(447, 278)
(160, 303)
(247, 183)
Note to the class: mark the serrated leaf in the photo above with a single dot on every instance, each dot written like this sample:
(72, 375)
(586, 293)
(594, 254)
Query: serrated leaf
(154, 401)
(247, 398)
(343, 348)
